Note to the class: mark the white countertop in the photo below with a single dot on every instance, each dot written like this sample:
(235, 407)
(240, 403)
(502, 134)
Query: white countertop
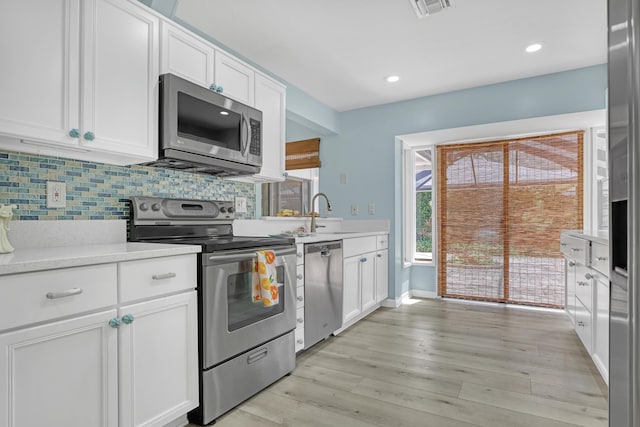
(37, 259)
(331, 236)
(581, 235)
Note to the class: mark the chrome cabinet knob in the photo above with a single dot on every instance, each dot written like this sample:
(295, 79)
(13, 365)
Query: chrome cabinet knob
(589, 276)
(300, 341)
(300, 320)
(299, 254)
(572, 264)
(300, 299)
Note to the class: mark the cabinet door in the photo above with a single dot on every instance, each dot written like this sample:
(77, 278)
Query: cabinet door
(601, 336)
(382, 275)
(60, 374)
(270, 99)
(39, 44)
(236, 78)
(368, 280)
(158, 360)
(351, 289)
(570, 281)
(185, 55)
(120, 78)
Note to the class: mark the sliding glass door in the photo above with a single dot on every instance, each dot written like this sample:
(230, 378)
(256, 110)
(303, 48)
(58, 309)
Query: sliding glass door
(502, 205)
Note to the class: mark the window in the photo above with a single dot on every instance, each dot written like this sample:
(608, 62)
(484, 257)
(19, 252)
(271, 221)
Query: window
(419, 205)
(294, 195)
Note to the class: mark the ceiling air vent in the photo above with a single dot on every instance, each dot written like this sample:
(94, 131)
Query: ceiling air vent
(427, 7)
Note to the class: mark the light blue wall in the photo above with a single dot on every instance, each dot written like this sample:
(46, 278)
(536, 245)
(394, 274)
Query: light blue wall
(366, 149)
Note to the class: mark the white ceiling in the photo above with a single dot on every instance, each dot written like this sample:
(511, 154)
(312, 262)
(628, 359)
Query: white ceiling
(341, 51)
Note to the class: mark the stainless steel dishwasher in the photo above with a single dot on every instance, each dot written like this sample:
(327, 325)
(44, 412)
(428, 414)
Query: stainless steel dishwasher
(322, 290)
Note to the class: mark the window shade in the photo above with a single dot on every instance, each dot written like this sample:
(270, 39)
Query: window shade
(501, 207)
(303, 154)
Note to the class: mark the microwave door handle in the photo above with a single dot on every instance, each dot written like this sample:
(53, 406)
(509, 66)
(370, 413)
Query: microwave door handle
(245, 138)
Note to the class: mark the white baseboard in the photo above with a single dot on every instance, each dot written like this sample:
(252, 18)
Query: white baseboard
(179, 422)
(423, 294)
(391, 303)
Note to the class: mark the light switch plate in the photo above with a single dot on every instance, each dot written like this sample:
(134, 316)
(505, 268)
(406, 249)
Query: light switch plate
(372, 208)
(354, 209)
(241, 204)
(56, 194)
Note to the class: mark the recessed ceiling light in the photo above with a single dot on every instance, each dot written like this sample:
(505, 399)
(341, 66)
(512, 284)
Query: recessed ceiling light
(533, 48)
(393, 79)
(224, 113)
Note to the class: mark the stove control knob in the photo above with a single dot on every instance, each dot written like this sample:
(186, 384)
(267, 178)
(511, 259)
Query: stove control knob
(223, 209)
(230, 210)
(155, 207)
(143, 206)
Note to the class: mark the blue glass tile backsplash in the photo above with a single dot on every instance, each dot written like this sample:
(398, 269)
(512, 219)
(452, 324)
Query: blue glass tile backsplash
(99, 191)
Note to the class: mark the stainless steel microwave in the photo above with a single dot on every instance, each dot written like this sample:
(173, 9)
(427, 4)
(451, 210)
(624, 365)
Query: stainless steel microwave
(205, 132)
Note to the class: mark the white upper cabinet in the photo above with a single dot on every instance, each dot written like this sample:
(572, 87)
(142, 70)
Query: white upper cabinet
(80, 80)
(235, 78)
(270, 99)
(186, 55)
(120, 77)
(40, 66)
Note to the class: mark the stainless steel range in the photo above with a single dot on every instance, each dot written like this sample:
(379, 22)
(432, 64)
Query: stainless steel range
(244, 346)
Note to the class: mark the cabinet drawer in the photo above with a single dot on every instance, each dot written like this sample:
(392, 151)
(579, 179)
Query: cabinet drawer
(382, 242)
(300, 317)
(157, 276)
(300, 275)
(300, 296)
(358, 245)
(583, 325)
(300, 253)
(600, 257)
(299, 338)
(45, 295)
(575, 249)
(584, 287)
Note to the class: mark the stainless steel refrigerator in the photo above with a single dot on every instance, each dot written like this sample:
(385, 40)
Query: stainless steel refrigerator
(624, 167)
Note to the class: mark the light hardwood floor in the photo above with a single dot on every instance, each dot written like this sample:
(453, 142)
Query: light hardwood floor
(439, 363)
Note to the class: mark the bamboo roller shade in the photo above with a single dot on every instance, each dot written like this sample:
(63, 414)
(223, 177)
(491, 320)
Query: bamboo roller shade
(501, 208)
(303, 154)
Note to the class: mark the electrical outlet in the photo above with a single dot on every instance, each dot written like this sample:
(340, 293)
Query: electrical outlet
(241, 204)
(372, 208)
(56, 194)
(354, 209)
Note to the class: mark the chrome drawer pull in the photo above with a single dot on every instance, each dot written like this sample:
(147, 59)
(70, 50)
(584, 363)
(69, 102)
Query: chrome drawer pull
(163, 276)
(589, 276)
(601, 258)
(260, 354)
(583, 284)
(580, 323)
(575, 249)
(63, 294)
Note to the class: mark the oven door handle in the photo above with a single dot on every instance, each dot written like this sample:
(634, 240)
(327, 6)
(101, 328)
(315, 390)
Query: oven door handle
(248, 255)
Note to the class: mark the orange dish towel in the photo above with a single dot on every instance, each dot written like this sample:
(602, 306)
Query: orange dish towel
(265, 288)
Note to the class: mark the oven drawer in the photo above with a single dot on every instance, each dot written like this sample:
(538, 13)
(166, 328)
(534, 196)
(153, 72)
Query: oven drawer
(45, 295)
(158, 276)
(232, 382)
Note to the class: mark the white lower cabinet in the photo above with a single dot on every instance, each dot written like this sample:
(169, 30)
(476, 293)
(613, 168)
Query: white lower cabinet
(351, 289)
(135, 363)
(365, 276)
(60, 374)
(601, 338)
(299, 345)
(158, 360)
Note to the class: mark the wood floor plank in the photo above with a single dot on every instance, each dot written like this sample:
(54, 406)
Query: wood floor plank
(439, 363)
(534, 405)
(457, 409)
(358, 406)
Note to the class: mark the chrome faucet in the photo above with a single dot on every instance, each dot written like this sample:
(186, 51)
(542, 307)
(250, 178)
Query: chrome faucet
(313, 217)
